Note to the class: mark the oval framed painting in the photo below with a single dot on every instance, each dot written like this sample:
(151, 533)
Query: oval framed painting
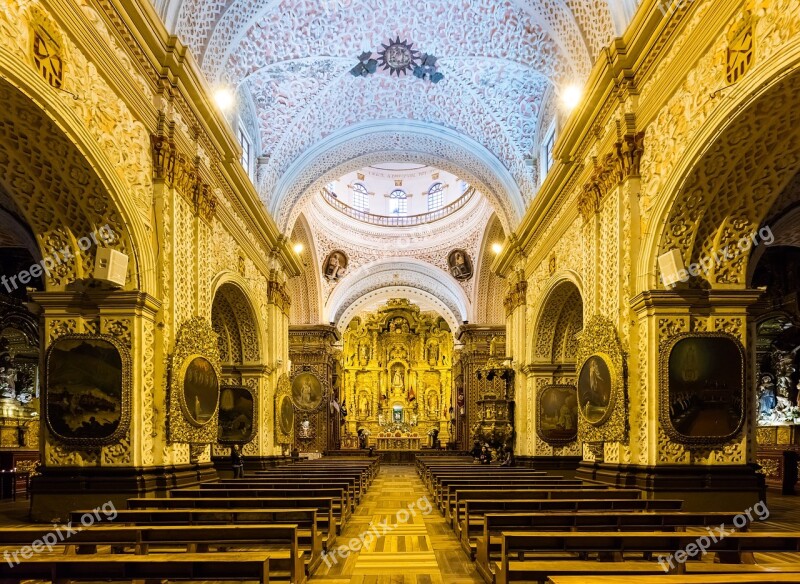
(200, 390)
(286, 415)
(306, 392)
(596, 394)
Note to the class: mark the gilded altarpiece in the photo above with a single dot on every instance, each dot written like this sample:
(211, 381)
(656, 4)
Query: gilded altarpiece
(316, 424)
(397, 367)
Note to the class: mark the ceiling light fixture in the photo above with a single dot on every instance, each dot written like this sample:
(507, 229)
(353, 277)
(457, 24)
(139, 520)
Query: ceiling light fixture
(298, 248)
(571, 96)
(224, 98)
(497, 248)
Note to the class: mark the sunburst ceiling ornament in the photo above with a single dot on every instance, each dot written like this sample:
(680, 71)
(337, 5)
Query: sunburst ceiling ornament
(398, 57)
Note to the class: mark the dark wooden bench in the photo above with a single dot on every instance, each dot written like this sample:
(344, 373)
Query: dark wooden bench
(557, 547)
(341, 506)
(285, 555)
(360, 480)
(471, 525)
(309, 538)
(455, 508)
(326, 520)
(352, 492)
(486, 548)
(60, 568)
(447, 492)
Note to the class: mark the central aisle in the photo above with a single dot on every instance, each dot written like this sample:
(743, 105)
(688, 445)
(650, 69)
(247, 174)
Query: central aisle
(420, 550)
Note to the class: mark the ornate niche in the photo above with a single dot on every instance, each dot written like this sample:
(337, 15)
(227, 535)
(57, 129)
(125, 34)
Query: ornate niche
(601, 391)
(194, 384)
(88, 389)
(557, 414)
(702, 388)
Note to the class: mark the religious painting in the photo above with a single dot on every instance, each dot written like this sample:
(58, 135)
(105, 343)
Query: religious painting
(236, 415)
(200, 391)
(460, 264)
(88, 389)
(595, 389)
(286, 415)
(305, 429)
(702, 387)
(557, 414)
(306, 391)
(335, 266)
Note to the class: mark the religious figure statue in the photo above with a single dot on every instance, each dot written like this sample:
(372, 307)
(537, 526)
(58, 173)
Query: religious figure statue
(493, 346)
(363, 406)
(364, 353)
(433, 403)
(433, 352)
(785, 369)
(766, 396)
(397, 380)
(8, 374)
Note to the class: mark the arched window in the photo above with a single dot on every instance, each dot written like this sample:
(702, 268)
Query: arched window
(360, 197)
(435, 196)
(398, 202)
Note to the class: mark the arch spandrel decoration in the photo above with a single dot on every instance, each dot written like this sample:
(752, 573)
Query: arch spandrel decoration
(599, 339)
(196, 340)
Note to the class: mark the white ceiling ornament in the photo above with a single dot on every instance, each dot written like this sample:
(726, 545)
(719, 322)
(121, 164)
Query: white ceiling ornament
(374, 280)
(402, 141)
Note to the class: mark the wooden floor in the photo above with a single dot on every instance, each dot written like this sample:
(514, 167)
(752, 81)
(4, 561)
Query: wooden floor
(422, 550)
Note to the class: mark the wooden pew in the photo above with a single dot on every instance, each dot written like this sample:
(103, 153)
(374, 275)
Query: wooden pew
(438, 481)
(456, 505)
(475, 470)
(486, 548)
(360, 479)
(285, 555)
(471, 525)
(280, 483)
(309, 538)
(734, 548)
(447, 491)
(326, 520)
(245, 566)
(341, 506)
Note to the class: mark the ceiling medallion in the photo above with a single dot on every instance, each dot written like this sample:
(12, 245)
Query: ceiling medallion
(398, 57)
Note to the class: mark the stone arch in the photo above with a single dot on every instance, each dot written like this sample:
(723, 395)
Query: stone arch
(56, 178)
(740, 162)
(559, 319)
(490, 288)
(234, 320)
(405, 141)
(305, 290)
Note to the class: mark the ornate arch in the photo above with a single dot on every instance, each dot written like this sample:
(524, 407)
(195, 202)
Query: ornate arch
(404, 141)
(234, 320)
(424, 282)
(305, 290)
(729, 177)
(490, 288)
(559, 319)
(72, 187)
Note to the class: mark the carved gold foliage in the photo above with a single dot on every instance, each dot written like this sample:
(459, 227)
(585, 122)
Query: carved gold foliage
(599, 336)
(176, 169)
(195, 338)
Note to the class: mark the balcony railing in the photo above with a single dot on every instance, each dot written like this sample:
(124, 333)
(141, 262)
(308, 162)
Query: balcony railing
(397, 220)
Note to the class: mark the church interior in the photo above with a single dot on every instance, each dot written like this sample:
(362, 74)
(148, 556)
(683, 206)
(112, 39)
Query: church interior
(417, 292)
